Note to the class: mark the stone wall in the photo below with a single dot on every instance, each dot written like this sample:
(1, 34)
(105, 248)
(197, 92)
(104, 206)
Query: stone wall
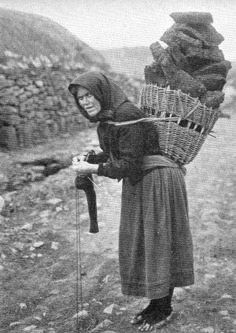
(35, 104)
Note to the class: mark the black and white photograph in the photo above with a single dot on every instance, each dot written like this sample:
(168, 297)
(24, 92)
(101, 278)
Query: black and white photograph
(117, 166)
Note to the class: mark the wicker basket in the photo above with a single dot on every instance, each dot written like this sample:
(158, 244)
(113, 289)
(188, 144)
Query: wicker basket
(182, 138)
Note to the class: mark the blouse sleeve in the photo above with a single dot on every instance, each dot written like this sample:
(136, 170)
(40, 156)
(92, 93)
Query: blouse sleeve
(128, 160)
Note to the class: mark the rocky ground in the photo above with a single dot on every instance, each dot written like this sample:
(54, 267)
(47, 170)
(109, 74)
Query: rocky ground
(38, 257)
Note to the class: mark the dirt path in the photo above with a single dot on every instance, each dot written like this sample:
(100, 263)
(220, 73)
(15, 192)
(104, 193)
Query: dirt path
(38, 244)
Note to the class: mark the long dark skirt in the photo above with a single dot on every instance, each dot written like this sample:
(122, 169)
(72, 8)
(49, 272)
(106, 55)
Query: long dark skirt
(155, 244)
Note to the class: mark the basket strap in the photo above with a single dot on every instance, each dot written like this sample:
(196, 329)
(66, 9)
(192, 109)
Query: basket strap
(149, 119)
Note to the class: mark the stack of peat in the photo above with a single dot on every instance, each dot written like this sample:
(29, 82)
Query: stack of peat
(185, 82)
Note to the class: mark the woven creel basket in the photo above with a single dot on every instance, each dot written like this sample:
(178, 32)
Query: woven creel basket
(182, 122)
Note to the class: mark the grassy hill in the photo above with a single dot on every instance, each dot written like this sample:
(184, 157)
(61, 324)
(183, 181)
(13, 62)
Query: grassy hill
(34, 35)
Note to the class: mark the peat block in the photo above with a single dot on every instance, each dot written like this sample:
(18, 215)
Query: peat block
(178, 57)
(192, 17)
(187, 84)
(213, 54)
(221, 68)
(212, 81)
(157, 50)
(205, 33)
(212, 99)
(154, 74)
(177, 37)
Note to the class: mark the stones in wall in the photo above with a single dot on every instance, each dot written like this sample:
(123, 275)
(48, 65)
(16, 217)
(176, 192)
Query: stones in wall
(35, 105)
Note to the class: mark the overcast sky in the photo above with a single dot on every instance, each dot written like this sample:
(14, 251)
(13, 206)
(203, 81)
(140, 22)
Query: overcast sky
(115, 23)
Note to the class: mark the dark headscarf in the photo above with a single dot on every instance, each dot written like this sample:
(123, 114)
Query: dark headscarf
(108, 93)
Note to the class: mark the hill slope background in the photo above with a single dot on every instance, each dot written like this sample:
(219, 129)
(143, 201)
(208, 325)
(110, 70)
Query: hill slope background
(128, 60)
(34, 35)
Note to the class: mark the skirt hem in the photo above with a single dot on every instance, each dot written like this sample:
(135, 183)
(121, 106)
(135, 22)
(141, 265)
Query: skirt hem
(131, 289)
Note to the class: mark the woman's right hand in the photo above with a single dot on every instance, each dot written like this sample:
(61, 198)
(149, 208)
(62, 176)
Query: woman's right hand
(84, 168)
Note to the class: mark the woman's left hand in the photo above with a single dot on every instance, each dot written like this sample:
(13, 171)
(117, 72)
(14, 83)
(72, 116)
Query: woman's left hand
(84, 168)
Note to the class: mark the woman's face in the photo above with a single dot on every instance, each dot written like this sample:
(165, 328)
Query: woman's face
(88, 102)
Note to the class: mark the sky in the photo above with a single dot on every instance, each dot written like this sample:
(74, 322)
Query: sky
(104, 24)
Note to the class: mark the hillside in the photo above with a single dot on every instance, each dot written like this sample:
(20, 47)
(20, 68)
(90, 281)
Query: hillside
(128, 60)
(35, 35)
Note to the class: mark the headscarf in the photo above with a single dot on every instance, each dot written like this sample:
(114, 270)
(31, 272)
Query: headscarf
(108, 93)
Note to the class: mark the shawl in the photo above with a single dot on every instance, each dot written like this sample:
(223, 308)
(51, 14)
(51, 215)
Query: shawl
(114, 102)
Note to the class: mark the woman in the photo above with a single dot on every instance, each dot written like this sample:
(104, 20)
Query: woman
(155, 245)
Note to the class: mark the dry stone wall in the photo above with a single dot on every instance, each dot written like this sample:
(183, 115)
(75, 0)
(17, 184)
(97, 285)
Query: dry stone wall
(35, 104)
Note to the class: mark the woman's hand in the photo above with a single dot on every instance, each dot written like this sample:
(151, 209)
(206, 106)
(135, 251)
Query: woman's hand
(84, 168)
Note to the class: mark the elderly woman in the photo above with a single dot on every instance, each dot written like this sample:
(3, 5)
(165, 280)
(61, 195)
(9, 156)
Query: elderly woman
(155, 244)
